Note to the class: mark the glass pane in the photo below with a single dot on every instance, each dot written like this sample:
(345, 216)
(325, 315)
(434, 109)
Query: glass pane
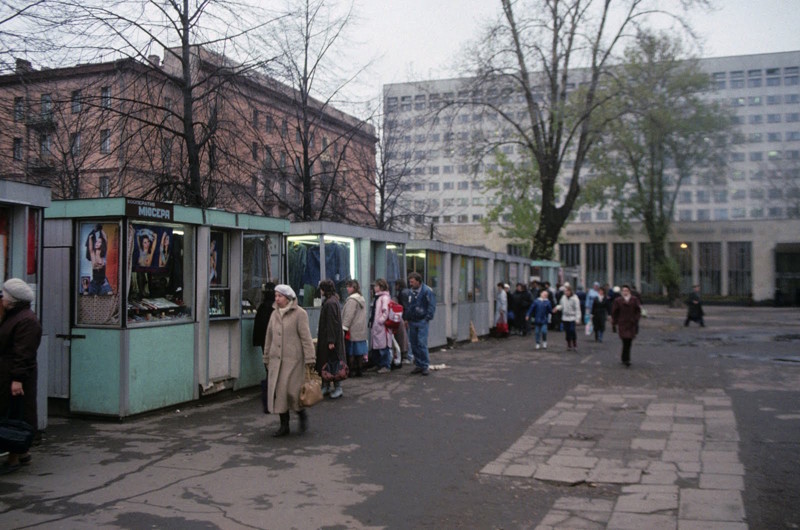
(462, 279)
(160, 277)
(99, 266)
(218, 259)
(304, 267)
(260, 263)
(394, 265)
(339, 262)
(435, 275)
(479, 280)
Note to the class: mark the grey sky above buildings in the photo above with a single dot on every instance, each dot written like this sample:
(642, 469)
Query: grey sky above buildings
(421, 39)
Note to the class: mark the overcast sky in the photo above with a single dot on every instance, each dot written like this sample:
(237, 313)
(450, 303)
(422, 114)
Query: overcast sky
(418, 39)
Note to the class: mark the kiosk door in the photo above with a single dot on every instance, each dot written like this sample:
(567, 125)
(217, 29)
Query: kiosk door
(56, 314)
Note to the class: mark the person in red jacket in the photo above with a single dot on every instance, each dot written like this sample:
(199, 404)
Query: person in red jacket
(625, 314)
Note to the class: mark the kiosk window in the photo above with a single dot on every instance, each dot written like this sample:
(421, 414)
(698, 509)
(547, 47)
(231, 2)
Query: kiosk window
(261, 253)
(159, 273)
(219, 299)
(99, 265)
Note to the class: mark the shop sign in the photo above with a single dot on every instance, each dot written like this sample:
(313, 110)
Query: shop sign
(161, 211)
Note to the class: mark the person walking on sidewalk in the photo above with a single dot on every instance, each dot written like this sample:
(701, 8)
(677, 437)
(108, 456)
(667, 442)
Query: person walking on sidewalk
(599, 314)
(570, 308)
(354, 324)
(20, 335)
(330, 338)
(695, 309)
(288, 348)
(625, 314)
(540, 309)
(381, 335)
(420, 311)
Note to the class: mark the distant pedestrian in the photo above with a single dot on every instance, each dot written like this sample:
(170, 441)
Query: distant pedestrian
(354, 325)
(288, 349)
(522, 302)
(380, 335)
(263, 314)
(599, 315)
(591, 296)
(695, 308)
(625, 314)
(540, 310)
(420, 311)
(570, 309)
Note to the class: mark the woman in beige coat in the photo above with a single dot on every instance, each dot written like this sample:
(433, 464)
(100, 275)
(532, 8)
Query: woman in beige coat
(288, 347)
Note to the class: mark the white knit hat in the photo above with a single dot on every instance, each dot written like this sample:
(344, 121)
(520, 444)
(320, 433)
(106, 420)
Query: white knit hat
(286, 291)
(16, 290)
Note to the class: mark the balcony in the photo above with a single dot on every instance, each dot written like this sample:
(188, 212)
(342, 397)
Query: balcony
(41, 165)
(41, 122)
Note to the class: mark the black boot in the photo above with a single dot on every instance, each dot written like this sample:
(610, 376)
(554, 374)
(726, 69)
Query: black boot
(283, 430)
(359, 362)
(303, 417)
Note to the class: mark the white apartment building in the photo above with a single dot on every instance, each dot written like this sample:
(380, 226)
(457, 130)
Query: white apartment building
(737, 238)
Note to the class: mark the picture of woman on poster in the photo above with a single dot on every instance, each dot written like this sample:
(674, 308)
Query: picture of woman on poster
(212, 273)
(146, 241)
(96, 250)
(163, 253)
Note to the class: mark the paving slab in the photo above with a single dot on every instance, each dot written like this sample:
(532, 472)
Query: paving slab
(711, 505)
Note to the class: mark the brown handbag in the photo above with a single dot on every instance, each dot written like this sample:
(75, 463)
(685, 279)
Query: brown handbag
(311, 391)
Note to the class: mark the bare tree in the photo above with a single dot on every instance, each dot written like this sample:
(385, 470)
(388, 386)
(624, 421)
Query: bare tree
(547, 59)
(206, 48)
(321, 145)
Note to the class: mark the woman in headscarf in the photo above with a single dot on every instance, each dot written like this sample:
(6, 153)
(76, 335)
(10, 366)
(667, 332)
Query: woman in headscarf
(288, 348)
(20, 335)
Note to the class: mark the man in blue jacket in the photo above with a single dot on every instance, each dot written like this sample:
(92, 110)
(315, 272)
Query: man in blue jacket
(418, 312)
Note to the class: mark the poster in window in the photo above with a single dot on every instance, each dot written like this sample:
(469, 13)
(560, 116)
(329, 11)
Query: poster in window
(216, 263)
(152, 247)
(100, 259)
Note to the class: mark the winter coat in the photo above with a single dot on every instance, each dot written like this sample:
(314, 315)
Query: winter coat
(695, 307)
(599, 313)
(380, 336)
(570, 307)
(330, 331)
(260, 323)
(540, 309)
(354, 317)
(20, 335)
(625, 316)
(289, 347)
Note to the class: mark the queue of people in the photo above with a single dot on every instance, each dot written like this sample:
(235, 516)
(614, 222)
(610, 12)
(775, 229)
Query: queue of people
(349, 335)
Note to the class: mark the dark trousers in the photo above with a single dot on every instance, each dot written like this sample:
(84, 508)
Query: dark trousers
(626, 351)
(569, 329)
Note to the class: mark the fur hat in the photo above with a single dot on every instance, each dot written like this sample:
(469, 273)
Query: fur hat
(286, 291)
(16, 290)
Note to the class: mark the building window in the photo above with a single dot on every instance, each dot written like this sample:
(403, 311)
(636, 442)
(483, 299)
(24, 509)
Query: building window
(463, 219)
(703, 214)
(755, 101)
(44, 145)
(75, 144)
(738, 213)
(476, 218)
(433, 170)
(597, 262)
(685, 197)
(405, 103)
(710, 267)
(255, 118)
(684, 215)
(721, 196)
(570, 254)
(737, 79)
(773, 100)
(754, 78)
(104, 187)
(756, 156)
(47, 107)
(702, 196)
(773, 118)
(790, 99)
(755, 119)
(720, 214)
(105, 97)
(719, 80)
(105, 141)
(463, 185)
(792, 117)
(17, 149)
(75, 101)
(790, 76)
(739, 268)
(757, 213)
(254, 149)
(19, 109)
(756, 193)
(624, 271)
(433, 186)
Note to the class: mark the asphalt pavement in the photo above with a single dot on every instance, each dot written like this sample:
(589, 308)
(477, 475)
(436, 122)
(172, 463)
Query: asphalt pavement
(701, 432)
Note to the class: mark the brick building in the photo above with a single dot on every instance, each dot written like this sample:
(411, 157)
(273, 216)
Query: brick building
(116, 129)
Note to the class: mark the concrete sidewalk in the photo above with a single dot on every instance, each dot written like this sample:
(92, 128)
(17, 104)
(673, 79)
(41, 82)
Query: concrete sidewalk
(656, 446)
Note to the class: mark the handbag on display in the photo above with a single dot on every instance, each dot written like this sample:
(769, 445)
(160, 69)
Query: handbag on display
(335, 371)
(311, 391)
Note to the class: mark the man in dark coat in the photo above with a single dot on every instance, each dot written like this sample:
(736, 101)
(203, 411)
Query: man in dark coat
(20, 335)
(263, 313)
(695, 310)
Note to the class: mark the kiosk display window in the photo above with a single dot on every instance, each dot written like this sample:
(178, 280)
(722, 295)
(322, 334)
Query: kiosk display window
(479, 280)
(219, 299)
(394, 265)
(464, 294)
(435, 276)
(99, 255)
(159, 277)
(304, 265)
(259, 254)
